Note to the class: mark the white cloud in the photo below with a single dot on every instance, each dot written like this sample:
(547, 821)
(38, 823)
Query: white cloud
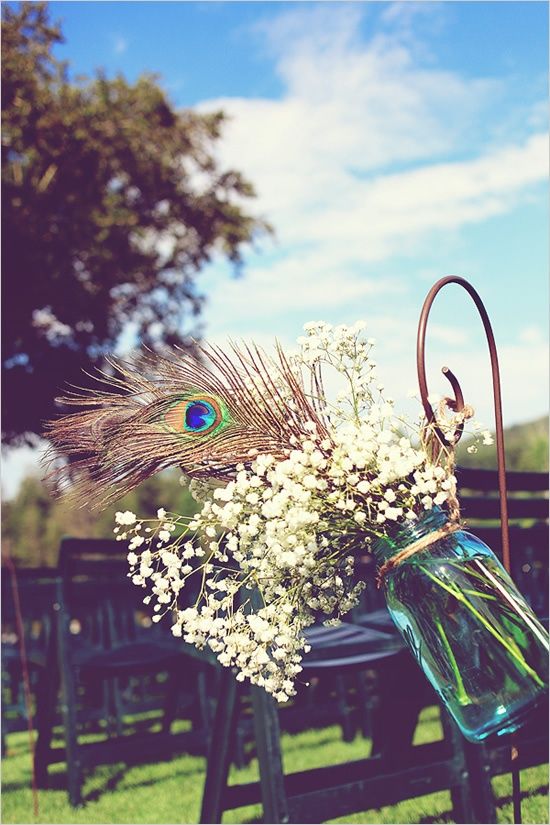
(323, 158)
(362, 155)
(306, 281)
(120, 44)
(524, 378)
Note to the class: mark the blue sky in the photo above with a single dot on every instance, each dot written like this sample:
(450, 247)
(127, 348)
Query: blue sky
(390, 144)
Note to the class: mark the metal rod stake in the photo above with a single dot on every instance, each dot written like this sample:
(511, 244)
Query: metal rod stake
(457, 404)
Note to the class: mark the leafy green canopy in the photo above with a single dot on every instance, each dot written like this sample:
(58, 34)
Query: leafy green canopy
(112, 202)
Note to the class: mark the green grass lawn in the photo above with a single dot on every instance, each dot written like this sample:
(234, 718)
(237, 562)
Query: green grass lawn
(170, 792)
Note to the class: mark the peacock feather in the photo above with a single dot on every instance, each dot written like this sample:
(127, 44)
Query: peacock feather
(206, 413)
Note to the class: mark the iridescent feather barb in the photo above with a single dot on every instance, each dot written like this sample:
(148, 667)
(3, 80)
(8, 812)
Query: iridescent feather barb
(204, 414)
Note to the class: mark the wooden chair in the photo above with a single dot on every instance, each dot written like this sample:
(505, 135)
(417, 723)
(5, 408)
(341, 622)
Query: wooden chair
(98, 644)
(390, 775)
(36, 592)
(328, 693)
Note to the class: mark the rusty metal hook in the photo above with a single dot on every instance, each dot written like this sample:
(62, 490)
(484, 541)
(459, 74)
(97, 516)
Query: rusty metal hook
(457, 404)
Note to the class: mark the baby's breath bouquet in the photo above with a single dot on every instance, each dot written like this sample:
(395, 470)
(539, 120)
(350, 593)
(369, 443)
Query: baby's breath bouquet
(299, 464)
(273, 548)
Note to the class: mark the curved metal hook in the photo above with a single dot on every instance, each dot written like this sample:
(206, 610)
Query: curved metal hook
(458, 402)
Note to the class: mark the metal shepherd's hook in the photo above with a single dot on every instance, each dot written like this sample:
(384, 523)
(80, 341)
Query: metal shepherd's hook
(457, 404)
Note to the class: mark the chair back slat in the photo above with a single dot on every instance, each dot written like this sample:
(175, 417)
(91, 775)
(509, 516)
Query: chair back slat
(92, 558)
(488, 507)
(36, 588)
(528, 524)
(516, 480)
(100, 596)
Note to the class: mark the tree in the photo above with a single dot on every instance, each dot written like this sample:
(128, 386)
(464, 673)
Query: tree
(33, 523)
(112, 202)
(526, 448)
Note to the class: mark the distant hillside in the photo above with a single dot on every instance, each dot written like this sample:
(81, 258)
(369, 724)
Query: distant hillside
(526, 448)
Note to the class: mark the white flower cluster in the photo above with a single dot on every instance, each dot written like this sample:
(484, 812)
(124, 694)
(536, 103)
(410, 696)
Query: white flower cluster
(343, 349)
(274, 548)
(480, 436)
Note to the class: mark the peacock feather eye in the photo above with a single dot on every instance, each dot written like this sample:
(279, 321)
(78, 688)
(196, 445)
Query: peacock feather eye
(194, 415)
(199, 416)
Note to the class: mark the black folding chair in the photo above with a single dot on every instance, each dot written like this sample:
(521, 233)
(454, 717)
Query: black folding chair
(395, 771)
(101, 644)
(35, 590)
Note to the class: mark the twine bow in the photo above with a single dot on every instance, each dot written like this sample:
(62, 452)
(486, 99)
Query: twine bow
(437, 447)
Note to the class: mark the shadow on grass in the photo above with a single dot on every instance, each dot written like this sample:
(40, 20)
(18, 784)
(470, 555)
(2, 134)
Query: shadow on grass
(58, 781)
(110, 785)
(508, 799)
(500, 801)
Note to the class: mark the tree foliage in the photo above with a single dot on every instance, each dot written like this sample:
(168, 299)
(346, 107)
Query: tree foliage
(112, 203)
(33, 523)
(526, 449)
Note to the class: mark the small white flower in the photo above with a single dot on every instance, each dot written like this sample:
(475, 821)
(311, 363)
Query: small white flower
(135, 542)
(126, 517)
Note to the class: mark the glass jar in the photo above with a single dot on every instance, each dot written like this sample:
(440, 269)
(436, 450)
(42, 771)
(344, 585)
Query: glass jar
(476, 639)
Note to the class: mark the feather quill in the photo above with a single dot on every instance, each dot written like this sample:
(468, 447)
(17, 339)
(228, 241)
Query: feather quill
(205, 413)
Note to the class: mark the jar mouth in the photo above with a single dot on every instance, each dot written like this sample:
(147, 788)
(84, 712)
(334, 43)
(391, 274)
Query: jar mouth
(406, 534)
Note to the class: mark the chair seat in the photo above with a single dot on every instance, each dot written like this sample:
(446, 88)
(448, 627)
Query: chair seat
(35, 656)
(10, 653)
(347, 646)
(131, 658)
(379, 619)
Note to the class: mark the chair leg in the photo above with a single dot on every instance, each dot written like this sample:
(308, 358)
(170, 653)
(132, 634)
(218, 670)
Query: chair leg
(472, 797)
(47, 689)
(219, 752)
(481, 790)
(395, 718)
(46, 698)
(363, 705)
(238, 751)
(171, 701)
(268, 746)
(344, 710)
(203, 719)
(115, 705)
(68, 709)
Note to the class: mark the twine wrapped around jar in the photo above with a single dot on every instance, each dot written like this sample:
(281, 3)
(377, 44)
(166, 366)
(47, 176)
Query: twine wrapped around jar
(422, 543)
(453, 507)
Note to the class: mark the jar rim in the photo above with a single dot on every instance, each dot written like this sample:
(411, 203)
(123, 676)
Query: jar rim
(406, 534)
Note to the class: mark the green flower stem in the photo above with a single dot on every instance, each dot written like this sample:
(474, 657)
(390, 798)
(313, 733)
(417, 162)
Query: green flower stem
(461, 598)
(481, 595)
(511, 600)
(461, 694)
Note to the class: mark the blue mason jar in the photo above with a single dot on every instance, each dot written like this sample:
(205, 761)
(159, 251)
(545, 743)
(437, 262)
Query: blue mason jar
(476, 639)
